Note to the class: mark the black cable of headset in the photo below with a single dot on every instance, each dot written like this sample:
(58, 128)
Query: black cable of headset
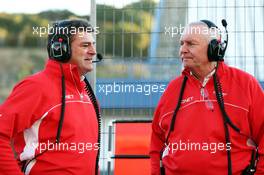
(177, 108)
(220, 100)
(62, 106)
(162, 169)
(92, 97)
(26, 163)
(254, 157)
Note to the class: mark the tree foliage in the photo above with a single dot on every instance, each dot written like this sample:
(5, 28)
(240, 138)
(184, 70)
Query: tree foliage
(125, 32)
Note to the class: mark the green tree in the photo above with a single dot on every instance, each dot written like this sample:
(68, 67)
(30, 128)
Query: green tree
(125, 32)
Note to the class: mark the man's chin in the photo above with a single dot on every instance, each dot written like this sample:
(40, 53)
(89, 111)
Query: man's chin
(186, 64)
(89, 69)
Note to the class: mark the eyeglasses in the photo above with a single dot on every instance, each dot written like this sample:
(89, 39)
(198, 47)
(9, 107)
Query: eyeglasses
(208, 103)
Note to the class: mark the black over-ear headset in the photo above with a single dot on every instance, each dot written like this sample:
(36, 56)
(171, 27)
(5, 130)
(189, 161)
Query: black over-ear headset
(59, 47)
(60, 37)
(216, 48)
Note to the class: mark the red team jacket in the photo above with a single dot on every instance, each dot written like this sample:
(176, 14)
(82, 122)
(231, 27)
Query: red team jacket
(197, 145)
(30, 116)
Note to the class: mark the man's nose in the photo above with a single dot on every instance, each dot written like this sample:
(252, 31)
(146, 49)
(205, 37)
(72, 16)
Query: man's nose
(183, 49)
(92, 49)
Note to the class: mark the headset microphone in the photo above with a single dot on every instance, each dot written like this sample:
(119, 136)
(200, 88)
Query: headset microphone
(99, 58)
(224, 23)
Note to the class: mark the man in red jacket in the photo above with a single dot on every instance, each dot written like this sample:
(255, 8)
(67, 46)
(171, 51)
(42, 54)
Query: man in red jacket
(210, 120)
(52, 117)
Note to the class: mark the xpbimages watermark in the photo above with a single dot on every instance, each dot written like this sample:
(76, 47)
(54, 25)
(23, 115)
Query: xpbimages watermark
(174, 31)
(212, 147)
(122, 87)
(79, 147)
(43, 31)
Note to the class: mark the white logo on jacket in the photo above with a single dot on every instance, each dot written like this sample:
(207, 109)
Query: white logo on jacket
(69, 96)
(82, 97)
(189, 99)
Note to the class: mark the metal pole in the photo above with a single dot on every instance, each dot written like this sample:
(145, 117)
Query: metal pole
(92, 75)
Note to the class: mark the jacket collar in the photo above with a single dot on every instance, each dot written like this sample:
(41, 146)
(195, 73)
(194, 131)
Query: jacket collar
(70, 72)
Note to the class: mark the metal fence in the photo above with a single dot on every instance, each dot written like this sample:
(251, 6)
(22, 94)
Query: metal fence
(149, 31)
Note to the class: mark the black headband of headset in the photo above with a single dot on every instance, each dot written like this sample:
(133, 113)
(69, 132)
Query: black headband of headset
(209, 23)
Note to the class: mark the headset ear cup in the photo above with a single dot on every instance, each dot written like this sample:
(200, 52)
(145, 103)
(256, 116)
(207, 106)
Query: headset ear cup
(56, 50)
(60, 48)
(214, 51)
